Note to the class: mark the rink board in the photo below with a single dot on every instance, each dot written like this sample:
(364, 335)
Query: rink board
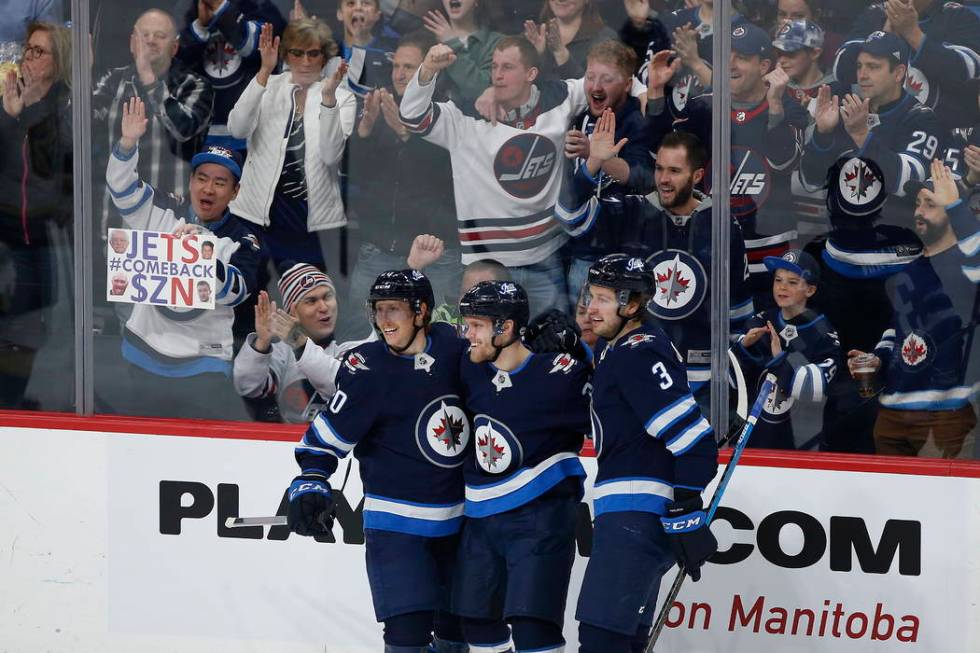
(819, 554)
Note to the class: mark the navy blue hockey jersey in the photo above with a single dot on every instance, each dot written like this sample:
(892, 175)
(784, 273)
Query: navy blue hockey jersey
(403, 418)
(528, 427)
(810, 359)
(679, 247)
(935, 299)
(649, 433)
(947, 57)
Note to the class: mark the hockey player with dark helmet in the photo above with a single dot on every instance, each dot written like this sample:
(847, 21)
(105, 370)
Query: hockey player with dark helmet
(409, 286)
(656, 454)
(498, 301)
(631, 279)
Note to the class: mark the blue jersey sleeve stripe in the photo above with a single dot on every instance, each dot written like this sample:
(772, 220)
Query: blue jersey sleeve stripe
(326, 435)
(319, 451)
(672, 413)
(689, 437)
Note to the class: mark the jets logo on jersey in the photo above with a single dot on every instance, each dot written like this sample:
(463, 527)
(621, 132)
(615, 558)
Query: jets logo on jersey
(751, 181)
(915, 350)
(220, 59)
(917, 84)
(355, 361)
(688, 87)
(497, 449)
(681, 284)
(562, 363)
(524, 165)
(636, 340)
(442, 432)
(776, 406)
(858, 185)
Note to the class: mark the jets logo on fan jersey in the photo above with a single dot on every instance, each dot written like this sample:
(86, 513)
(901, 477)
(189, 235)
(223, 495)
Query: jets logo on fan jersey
(858, 184)
(917, 84)
(355, 361)
(442, 432)
(524, 165)
(681, 284)
(497, 449)
(915, 350)
(751, 181)
(221, 60)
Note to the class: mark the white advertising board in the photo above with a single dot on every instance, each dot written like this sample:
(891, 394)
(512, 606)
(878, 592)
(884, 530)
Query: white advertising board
(115, 542)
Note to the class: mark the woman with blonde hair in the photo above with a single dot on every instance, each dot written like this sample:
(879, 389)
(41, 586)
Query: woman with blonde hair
(35, 198)
(295, 124)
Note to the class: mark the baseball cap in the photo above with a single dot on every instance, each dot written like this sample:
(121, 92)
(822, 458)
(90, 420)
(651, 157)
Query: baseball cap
(750, 41)
(798, 34)
(222, 156)
(886, 44)
(796, 261)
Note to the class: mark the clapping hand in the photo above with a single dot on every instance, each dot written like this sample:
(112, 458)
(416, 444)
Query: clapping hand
(328, 92)
(269, 52)
(827, 114)
(604, 146)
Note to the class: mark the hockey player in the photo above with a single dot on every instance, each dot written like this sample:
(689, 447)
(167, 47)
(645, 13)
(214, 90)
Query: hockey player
(298, 369)
(656, 453)
(944, 39)
(766, 133)
(397, 407)
(794, 342)
(505, 209)
(925, 354)
(883, 123)
(181, 359)
(523, 478)
(671, 229)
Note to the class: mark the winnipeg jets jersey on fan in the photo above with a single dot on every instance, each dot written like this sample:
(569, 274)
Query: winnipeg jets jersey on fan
(947, 56)
(903, 140)
(169, 341)
(506, 177)
(923, 354)
(403, 418)
(810, 358)
(763, 155)
(528, 427)
(649, 433)
(679, 248)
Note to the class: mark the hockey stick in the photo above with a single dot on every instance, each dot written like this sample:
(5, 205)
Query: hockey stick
(280, 520)
(743, 439)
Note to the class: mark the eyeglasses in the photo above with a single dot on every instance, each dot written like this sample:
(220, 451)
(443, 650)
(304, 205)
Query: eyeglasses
(310, 54)
(35, 52)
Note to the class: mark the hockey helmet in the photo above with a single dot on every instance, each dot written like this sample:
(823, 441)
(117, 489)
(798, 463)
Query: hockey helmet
(407, 285)
(624, 274)
(499, 301)
(855, 188)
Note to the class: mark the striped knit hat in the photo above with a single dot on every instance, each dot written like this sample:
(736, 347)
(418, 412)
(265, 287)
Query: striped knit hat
(299, 280)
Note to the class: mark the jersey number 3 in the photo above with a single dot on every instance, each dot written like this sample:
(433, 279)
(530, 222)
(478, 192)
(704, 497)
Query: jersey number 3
(661, 371)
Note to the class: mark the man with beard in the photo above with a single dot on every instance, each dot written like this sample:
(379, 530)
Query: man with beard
(924, 357)
(656, 453)
(523, 477)
(767, 125)
(608, 78)
(671, 229)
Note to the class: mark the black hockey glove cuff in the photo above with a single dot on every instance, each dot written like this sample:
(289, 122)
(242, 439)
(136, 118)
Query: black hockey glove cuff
(311, 505)
(686, 525)
(554, 331)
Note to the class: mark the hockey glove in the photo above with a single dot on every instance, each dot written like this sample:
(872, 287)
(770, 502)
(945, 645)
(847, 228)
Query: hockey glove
(554, 331)
(686, 525)
(311, 505)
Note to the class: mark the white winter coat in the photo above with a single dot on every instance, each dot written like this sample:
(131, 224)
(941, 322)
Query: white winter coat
(262, 116)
